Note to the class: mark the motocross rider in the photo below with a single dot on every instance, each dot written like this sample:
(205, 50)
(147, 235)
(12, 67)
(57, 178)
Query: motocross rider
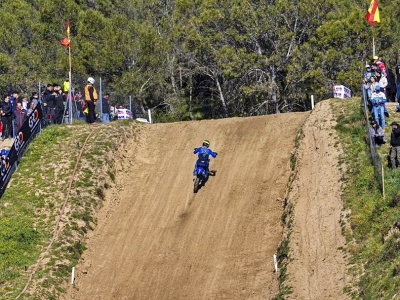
(203, 154)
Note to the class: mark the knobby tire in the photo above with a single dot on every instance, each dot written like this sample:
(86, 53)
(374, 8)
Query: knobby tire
(196, 184)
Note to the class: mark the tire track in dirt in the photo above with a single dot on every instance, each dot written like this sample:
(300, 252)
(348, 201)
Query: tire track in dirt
(155, 239)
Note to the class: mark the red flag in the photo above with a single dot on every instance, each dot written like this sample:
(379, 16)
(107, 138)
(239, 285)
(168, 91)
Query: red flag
(66, 42)
(372, 14)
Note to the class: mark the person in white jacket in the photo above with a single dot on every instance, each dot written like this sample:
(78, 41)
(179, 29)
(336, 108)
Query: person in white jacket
(382, 80)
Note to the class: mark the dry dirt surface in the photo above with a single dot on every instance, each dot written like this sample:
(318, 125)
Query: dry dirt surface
(156, 239)
(318, 269)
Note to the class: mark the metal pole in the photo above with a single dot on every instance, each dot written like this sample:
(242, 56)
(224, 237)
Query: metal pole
(130, 103)
(150, 120)
(373, 43)
(69, 102)
(40, 92)
(101, 101)
(312, 102)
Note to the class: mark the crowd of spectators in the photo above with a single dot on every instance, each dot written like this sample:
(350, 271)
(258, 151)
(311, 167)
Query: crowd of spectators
(382, 86)
(15, 109)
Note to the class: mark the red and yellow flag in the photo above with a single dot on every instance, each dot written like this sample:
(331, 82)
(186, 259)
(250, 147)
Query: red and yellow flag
(67, 27)
(372, 14)
(66, 42)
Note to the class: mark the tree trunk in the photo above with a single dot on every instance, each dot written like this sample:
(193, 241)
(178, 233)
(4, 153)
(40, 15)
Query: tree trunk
(190, 99)
(221, 96)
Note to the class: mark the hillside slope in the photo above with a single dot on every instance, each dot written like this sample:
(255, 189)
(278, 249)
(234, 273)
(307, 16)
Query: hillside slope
(155, 239)
(318, 268)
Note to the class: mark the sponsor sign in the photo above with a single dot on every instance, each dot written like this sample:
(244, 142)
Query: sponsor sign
(28, 130)
(124, 114)
(340, 91)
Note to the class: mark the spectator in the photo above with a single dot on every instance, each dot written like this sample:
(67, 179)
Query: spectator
(378, 100)
(6, 117)
(377, 134)
(66, 85)
(13, 100)
(80, 105)
(378, 60)
(19, 117)
(48, 103)
(58, 103)
(367, 80)
(394, 145)
(31, 108)
(367, 74)
(391, 87)
(371, 87)
(34, 98)
(90, 99)
(105, 107)
(382, 80)
(374, 68)
(25, 103)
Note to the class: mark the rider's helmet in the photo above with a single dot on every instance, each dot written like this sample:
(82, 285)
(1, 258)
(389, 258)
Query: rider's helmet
(90, 80)
(206, 143)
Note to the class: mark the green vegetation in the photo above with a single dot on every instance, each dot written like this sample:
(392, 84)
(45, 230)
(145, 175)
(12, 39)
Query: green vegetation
(369, 220)
(283, 250)
(33, 200)
(196, 59)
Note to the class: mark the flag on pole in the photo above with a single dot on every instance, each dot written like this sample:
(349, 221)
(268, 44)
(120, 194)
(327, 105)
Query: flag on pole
(372, 14)
(66, 42)
(67, 27)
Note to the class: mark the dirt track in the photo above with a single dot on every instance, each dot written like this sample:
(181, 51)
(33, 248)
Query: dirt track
(318, 269)
(155, 239)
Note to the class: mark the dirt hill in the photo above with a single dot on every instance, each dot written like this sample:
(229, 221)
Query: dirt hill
(156, 239)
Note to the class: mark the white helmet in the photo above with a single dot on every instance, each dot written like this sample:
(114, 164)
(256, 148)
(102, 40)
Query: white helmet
(90, 80)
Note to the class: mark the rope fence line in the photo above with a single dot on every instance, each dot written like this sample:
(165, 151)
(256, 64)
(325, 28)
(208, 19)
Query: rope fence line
(56, 227)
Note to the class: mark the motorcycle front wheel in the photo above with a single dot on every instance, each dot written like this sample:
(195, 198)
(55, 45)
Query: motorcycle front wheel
(196, 184)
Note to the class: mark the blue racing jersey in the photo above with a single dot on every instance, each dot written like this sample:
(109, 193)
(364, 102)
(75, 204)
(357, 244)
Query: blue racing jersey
(204, 153)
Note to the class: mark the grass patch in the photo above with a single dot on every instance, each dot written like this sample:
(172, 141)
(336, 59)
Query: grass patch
(373, 242)
(32, 202)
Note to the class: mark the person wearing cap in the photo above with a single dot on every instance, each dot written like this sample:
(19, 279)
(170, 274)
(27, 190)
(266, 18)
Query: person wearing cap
(90, 100)
(105, 107)
(394, 145)
(378, 100)
(367, 80)
(377, 134)
(367, 74)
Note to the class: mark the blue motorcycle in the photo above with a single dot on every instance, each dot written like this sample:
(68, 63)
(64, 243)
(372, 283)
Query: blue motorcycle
(201, 177)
